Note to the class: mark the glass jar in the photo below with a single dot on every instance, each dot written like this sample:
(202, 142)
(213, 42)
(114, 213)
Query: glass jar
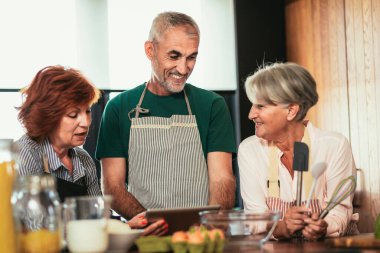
(7, 175)
(86, 219)
(38, 214)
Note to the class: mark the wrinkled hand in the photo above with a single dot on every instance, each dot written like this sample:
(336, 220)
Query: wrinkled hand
(295, 218)
(315, 228)
(159, 227)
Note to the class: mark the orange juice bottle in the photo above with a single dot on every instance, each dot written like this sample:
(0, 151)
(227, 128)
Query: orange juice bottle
(7, 174)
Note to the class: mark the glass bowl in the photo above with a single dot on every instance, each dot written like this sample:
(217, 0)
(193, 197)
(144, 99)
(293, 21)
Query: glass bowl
(120, 236)
(242, 228)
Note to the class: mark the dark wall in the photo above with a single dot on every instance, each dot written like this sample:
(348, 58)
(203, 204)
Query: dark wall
(260, 35)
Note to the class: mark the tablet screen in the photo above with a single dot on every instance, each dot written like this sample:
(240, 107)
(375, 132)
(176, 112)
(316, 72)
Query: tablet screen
(179, 218)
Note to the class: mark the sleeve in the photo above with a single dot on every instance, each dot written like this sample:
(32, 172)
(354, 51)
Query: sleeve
(341, 166)
(251, 179)
(29, 161)
(109, 140)
(91, 180)
(221, 134)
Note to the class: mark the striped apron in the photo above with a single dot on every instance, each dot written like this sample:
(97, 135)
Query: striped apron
(275, 203)
(167, 168)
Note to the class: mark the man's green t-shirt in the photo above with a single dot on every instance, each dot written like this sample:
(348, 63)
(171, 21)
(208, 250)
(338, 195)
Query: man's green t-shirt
(211, 112)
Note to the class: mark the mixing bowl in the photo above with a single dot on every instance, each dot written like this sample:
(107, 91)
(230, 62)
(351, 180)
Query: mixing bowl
(121, 237)
(242, 228)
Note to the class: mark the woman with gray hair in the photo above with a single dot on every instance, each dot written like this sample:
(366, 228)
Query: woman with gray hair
(281, 95)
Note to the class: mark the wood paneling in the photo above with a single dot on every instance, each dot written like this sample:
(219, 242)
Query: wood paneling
(339, 42)
(363, 68)
(315, 36)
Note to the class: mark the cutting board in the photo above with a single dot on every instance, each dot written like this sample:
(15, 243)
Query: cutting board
(358, 241)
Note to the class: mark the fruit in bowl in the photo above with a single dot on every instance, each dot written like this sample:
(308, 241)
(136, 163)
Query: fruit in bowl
(121, 237)
(241, 228)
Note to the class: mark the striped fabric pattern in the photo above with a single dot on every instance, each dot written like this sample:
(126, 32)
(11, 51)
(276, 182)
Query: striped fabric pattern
(167, 168)
(277, 204)
(30, 162)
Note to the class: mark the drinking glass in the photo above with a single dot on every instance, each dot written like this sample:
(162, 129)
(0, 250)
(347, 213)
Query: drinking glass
(86, 223)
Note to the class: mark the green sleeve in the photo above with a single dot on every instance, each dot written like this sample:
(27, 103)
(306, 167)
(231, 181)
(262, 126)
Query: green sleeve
(221, 134)
(109, 139)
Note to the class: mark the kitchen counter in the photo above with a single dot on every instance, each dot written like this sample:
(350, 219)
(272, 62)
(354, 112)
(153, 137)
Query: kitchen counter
(364, 245)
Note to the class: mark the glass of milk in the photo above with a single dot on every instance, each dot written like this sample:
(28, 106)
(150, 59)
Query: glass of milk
(86, 223)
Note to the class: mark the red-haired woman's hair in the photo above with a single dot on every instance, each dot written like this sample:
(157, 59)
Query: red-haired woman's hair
(53, 90)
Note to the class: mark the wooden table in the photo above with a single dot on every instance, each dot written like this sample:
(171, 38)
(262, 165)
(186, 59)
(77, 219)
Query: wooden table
(297, 247)
(301, 247)
(293, 247)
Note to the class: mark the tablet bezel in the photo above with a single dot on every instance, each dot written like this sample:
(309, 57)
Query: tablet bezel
(178, 219)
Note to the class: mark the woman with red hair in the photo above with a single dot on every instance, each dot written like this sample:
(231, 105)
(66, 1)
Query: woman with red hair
(56, 115)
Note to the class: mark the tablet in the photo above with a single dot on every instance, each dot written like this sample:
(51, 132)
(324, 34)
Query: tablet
(179, 218)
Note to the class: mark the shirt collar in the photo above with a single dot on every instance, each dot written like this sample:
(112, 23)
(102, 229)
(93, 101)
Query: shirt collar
(55, 163)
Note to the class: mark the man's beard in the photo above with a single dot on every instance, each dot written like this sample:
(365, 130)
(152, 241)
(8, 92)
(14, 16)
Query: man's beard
(173, 88)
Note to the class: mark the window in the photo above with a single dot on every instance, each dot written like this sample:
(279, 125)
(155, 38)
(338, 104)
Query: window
(129, 27)
(104, 39)
(10, 128)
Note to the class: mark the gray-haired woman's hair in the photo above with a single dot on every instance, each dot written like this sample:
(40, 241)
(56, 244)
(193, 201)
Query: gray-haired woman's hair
(283, 83)
(166, 20)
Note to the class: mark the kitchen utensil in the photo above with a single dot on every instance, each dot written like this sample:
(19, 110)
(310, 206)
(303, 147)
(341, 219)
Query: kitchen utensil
(243, 229)
(316, 171)
(345, 188)
(300, 164)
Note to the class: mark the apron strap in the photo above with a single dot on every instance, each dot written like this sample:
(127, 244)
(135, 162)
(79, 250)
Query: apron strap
(273, 182)
(138, 109)
(64, 188)
(187, 103)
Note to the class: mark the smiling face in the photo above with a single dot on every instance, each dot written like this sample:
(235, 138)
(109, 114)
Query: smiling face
(271, 121)
(173, 57)
(72, 129)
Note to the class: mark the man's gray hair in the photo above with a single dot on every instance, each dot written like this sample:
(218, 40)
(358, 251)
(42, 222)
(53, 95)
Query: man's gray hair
(167, 20)
(283, 83)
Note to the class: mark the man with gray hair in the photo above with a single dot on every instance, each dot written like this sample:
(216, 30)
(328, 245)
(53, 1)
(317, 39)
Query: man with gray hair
(170, 141)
